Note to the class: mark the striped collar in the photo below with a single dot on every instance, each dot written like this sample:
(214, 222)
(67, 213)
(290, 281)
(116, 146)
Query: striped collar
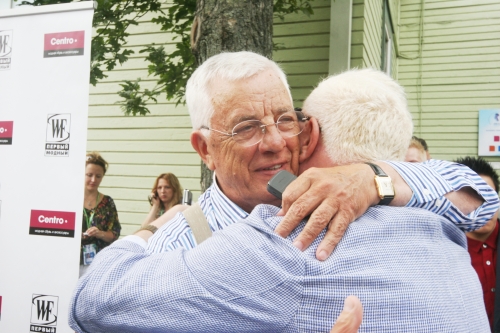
(219, 210)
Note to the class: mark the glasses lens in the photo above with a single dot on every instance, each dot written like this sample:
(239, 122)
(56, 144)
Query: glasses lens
(288, 125)
(248, 132)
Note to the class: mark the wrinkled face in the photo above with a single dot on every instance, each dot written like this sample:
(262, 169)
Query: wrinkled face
(489, 227)
(243, 172)
(165, 192)
(415, 155)
(93, 176)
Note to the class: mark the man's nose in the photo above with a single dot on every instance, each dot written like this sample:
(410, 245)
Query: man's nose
(272, 140)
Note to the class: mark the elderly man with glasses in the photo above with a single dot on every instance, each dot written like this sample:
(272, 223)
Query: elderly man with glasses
(408, 266)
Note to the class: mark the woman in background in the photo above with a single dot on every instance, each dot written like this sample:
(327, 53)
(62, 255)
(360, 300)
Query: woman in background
(100, 225)
(166, 193)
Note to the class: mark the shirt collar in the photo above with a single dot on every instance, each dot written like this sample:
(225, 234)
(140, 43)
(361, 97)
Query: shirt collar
(226, 210)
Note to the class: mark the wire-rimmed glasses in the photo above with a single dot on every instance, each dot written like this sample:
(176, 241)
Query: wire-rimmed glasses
(251, 132)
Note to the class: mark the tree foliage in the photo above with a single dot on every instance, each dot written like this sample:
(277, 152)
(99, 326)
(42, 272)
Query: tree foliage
(170, 70)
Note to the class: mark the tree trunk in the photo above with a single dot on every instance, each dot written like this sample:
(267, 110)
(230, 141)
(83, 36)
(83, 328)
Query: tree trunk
(231, 26)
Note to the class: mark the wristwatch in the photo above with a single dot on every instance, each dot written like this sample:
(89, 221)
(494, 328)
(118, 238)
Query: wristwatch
(384, 185)
(148, 227)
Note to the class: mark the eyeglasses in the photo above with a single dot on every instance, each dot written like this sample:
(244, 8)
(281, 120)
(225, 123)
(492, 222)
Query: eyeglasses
(251, 132)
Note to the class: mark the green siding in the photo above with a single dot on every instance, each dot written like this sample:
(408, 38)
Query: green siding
(458, 71)
(139, 148)
(303, 48)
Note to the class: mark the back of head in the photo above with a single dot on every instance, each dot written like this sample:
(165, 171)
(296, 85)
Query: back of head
(363, 115)
(416, 143)
(481, 167)
(421, 142)
(224, 66)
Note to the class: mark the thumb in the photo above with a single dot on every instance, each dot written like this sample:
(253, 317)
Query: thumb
(350, 318)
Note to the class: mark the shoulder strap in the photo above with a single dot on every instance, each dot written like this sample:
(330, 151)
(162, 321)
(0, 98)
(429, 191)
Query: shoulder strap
(198, 223)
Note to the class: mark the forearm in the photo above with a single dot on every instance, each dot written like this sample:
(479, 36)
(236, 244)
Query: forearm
(450, 190)
(465, 199)
(161, 221)
(106, 236)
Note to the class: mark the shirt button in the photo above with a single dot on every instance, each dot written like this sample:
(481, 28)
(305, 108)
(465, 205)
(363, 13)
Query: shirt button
(488, 262)
(485, 246)
(492, 290)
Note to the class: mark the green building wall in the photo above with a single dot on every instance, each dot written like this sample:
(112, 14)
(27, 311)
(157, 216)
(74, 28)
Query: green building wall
(450, 67)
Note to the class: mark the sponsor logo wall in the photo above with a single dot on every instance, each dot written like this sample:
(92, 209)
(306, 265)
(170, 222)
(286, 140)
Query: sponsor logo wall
(44, 84)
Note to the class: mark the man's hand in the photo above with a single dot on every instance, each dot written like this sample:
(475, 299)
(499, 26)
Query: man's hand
(350, 318)
(335, 197)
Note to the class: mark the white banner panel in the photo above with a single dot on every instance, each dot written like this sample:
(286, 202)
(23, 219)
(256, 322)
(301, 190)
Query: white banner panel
(44, 93)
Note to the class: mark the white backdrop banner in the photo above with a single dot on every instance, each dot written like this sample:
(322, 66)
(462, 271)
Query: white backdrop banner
(44, 93)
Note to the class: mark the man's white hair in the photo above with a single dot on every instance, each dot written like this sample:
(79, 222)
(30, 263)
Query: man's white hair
(224, 66)
(363, 115)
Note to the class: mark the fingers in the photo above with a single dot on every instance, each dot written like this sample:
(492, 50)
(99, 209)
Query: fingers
(295, 206)
(334, 234)
(92, 231)
(318, 221)
(350, 318)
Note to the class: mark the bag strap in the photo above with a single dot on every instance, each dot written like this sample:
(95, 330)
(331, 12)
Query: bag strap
(198, 223)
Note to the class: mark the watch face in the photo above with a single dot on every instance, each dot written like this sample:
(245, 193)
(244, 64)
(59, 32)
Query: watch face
(385, 186)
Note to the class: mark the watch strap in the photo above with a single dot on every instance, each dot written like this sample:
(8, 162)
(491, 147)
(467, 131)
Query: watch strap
(380, 173)
(378, 170)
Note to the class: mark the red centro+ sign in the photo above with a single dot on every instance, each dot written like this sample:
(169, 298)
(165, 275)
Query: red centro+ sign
(52, 223)
(63, 44)
(6, 128)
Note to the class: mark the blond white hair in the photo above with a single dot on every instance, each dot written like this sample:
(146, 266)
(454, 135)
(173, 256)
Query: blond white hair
(228, 67)
(363, 116)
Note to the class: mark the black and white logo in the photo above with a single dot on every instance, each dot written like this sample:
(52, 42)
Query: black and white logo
(43, 313)
(58, 134)
(5, 49)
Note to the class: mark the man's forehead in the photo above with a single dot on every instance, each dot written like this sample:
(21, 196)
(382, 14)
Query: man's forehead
(250, 98)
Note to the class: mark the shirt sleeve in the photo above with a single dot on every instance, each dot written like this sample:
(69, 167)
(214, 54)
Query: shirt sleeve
(172, 235)
(226, 284)
(431, 180)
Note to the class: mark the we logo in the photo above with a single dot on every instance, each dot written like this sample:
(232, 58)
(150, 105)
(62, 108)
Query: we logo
(58, 126)
(43, 311)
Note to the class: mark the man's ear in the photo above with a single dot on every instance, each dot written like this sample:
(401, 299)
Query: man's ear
(309, 139)
(200, 144)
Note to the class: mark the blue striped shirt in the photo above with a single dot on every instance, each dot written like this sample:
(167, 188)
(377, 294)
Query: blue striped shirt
(430, 181)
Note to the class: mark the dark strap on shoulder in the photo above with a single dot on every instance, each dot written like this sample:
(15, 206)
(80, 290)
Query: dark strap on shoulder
(198, 223)
(496, 312)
